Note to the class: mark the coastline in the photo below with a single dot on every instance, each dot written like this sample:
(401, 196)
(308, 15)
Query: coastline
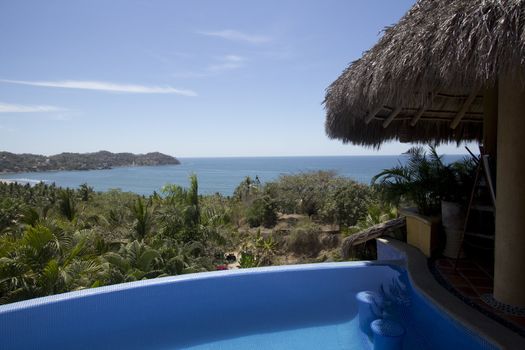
(216, 175)
(3, 173)
(67, 161)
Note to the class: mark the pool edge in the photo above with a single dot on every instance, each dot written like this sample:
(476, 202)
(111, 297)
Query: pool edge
(35, 302)
(425, 283)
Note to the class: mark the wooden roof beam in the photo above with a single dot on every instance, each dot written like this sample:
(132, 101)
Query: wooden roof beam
(417, 116)
(372, 114)
(421, 110)
(463, 109)
(391, 117)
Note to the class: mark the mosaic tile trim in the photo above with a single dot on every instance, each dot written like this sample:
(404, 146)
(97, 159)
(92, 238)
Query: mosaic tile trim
(502, 307)
(441, 280)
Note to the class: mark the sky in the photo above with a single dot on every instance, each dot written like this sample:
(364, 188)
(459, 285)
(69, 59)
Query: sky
(199, 78)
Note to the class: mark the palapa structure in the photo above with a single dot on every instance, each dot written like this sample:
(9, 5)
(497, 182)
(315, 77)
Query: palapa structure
(425, 79)
(449, 70)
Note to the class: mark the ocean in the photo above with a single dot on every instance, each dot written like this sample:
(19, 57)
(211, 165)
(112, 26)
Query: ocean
(220, 175)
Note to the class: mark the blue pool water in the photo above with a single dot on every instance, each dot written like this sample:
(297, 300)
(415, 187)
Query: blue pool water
(221, 175)
(291, 307)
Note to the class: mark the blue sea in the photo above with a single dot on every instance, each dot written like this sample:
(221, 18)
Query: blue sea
(220, 175)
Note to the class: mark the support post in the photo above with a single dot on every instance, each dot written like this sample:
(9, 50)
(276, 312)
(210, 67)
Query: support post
(509, 279)
(490, 121)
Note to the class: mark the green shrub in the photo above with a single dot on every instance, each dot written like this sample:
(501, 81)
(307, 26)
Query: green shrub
(247, 190)
(301, 193)
(262, 212)
(346, 204)
(304, 240)
(331, 198)
(247, 260)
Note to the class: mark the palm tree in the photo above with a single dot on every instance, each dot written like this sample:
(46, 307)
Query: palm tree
(422, 180)
(67, 204)
(10, 213)
(134, 261)
(181, 216)
(43, 262)
(143, 219)
(192, 198)
(85, 192)
(180, 258)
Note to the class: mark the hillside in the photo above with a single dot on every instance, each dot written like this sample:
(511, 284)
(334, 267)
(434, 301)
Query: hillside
(11, 162)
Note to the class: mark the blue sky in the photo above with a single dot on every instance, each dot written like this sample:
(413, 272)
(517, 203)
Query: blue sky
(187, 78)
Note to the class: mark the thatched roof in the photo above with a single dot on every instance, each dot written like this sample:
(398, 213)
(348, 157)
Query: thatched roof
(426, 71)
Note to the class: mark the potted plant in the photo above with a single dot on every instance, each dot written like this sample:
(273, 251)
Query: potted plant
(420, 181)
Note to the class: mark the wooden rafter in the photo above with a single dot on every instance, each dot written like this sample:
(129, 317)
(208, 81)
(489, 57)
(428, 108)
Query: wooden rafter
(422, 109)
(417, 116)
(463, 110)
(391, 117)
(372, 114)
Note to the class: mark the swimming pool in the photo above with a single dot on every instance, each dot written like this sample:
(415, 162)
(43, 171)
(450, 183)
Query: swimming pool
(289, 307)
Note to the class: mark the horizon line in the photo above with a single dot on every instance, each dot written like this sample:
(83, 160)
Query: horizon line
(230, 156)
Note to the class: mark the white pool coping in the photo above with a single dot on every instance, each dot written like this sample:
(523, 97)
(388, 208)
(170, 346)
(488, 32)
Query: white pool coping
(30, 303)
(425, 283)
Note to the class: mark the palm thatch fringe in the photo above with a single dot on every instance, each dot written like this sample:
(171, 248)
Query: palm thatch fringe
(371, 233)
(446, 48)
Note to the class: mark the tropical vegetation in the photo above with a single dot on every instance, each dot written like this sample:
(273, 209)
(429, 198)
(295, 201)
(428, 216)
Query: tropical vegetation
(54, 240)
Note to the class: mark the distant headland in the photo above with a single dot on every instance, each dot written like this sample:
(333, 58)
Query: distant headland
(16, 163)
